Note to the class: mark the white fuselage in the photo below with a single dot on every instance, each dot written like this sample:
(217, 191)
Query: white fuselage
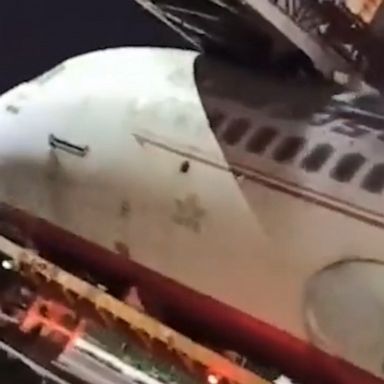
(244, 228)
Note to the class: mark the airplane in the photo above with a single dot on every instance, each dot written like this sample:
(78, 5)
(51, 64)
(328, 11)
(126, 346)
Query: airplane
(244, 208)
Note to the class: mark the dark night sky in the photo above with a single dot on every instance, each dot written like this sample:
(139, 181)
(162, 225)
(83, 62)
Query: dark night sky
(37, 34)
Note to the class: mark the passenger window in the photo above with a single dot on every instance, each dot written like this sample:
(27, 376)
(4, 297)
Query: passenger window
(317, 157)
(235, 130)
(347, 166)
(288, 148)
(260, 140)
(374, 180)
(215, 119)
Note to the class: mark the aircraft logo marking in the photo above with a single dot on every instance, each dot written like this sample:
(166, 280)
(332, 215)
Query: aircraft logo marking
(189, 213)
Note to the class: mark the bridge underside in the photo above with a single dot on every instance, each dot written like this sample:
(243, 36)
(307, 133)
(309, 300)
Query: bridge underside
(291, 35)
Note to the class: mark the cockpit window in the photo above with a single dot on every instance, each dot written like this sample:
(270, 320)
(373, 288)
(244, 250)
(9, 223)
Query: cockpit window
(374, 180)
(347, 167)
(260, 140)
(317, 157)
(370, 103)
(288, 148)
(215, 119)
(235, 130)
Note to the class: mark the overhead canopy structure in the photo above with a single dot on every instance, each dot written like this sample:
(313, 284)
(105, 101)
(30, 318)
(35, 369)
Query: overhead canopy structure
(365, 9)
(332, 34)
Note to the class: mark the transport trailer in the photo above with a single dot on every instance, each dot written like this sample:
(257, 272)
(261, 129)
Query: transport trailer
(82, 334)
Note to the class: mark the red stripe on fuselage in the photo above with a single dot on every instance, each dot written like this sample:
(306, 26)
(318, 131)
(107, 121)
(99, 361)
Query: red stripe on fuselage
(188, 309)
